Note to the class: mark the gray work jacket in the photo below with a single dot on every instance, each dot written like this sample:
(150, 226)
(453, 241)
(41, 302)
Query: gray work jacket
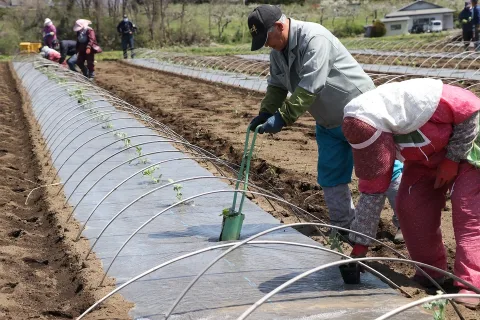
(320, 64)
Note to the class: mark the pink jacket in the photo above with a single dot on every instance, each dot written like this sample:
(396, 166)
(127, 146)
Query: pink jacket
(47, 38)
(456, 106)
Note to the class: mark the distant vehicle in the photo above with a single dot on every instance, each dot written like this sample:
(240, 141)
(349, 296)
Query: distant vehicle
(419, 28)
(435, 26)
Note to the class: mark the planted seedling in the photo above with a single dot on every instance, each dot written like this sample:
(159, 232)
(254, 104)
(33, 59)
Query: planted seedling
(104, 117)
(120, 135)
(438, 307)
(127, 142)
(108, 125)
(142, 160)
(228, 212)
(149, 172)
(123, 136)
(350, 272)
(335, 242)
(178, 189)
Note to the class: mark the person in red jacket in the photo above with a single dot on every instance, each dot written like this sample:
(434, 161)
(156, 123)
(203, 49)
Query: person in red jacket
(434, 128)
(51, 54)
(87, 46)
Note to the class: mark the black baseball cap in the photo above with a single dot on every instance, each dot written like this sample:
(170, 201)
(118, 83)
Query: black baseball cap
(259, 21)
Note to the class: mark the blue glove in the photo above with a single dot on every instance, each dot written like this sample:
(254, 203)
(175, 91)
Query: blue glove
(258, 120)
(274, 124)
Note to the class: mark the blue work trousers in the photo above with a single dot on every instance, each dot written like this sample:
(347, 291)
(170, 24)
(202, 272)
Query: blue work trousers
(335, 158)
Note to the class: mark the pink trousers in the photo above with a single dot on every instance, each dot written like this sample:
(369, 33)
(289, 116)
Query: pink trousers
(419, 209)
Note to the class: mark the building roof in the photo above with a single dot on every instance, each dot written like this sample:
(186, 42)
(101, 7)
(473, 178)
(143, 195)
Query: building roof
(418, 5)
(395, 19)
(418, 8)
(418, 12)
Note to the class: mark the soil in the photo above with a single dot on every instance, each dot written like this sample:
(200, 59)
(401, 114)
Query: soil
(215, 117)
(42, 271)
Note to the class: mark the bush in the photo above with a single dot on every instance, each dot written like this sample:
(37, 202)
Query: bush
(378, 29)
(348, 29)
(9, 41)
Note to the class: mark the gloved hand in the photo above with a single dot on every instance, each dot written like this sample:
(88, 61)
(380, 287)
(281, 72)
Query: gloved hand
(258, 120)
(464, 21)
(52, 33)
(446, 172)
(88, 51)
(274, 124)
(359, 251)
(469, 18)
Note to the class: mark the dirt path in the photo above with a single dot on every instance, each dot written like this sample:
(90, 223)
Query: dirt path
(215, 117)
(41, 274)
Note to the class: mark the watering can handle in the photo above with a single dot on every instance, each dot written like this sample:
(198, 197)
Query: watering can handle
(245, 167)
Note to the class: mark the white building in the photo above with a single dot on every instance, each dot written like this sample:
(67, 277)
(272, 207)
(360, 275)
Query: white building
(417, 13)
(396, 26)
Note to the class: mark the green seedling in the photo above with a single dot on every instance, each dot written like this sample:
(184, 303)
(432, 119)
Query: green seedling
(335, 242)
(108, 125)
(123, 136)
(149, 172)
(142, 160)
(127, 142)
(120, 135)
(178, 189)
(228, 212)
(438, 307)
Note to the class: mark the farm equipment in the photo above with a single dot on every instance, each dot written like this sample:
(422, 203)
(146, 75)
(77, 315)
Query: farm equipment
(232, 219)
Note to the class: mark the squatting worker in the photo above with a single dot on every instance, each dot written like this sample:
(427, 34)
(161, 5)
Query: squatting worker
(68, 48)
(310, 62)
(434, 128)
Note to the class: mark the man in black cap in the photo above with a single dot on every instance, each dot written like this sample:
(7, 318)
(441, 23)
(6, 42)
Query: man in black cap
(465, 18)
(126, 29)
(308, 61)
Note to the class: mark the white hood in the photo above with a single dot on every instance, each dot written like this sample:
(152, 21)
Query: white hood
(398, 107)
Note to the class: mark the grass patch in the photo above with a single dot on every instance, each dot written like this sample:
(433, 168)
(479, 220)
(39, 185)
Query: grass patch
(109, 55)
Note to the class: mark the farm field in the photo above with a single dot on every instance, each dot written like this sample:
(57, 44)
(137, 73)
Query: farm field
(215, 116)
(104, 157)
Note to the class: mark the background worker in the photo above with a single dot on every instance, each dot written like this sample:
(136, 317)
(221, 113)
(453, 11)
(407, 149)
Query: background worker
(434, 127)
(465, 18)
(126, 29)
(87, 46)
(49, 33)
(308, 61)
(68, 48)
(476, 24)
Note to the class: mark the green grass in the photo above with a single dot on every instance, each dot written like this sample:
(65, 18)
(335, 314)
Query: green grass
(109, 55)
(216, 50)
(386, 43)
(5, 57)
